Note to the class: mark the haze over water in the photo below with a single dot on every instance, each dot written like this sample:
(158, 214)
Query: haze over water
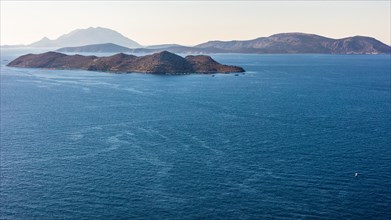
(283, 140)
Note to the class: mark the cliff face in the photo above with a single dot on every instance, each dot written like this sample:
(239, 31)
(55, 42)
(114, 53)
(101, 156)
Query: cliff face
(160, 63)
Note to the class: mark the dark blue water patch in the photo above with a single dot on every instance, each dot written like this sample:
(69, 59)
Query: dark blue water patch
(284, 140)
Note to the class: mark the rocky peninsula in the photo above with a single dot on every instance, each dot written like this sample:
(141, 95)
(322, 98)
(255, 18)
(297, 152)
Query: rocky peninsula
(158, 63)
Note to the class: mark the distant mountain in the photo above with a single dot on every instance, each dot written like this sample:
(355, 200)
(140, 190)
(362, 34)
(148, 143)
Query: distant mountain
(193, 50)
(113, 48)
(13, 46)
(96, 48)
(161, 63)
(162, 46)
(278, 43)
(82, 37)
(302, 43)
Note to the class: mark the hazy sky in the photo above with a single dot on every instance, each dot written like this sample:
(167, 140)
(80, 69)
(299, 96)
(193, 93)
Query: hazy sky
(192, 22)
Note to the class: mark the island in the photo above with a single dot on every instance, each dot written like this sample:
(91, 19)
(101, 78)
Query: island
(158, 63)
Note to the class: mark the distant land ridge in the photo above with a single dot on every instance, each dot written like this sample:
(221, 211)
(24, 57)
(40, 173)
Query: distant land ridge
(97, 48)
(103, 40)
(285, 43)
(302, 43)
(159, 63)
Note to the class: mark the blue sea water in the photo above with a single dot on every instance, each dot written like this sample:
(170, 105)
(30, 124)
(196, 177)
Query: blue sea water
(284, 141)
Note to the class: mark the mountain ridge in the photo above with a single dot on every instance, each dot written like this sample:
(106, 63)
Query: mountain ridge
(296, 42)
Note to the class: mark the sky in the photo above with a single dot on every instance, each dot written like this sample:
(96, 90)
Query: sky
(194, 22)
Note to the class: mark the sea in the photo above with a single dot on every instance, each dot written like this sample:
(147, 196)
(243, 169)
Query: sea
(294, 137)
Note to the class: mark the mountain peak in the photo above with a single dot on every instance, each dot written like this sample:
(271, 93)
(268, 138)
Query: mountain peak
(164, 53)
(88, 36)
(98, 27)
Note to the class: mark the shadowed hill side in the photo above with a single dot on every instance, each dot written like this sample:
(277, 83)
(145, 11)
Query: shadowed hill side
(205, 64)
(113, 63)
(161, 63)
(52, 60)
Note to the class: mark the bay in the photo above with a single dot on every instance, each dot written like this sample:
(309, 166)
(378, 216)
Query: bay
(283, 140)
